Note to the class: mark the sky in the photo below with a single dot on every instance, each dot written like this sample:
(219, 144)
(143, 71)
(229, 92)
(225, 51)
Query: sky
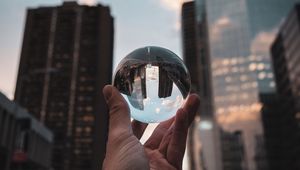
(137, 24)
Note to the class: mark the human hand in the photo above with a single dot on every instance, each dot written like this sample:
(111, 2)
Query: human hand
(163, 150)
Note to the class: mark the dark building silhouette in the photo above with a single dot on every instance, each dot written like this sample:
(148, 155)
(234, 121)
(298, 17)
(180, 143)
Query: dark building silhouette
(260, 153)
(137, 82)
(197, 59)
(24, 142)
(274, 124)
(190, 60)
(232, 150)
(189, 42)
(165, 84)
(281, 110)
(66, 60)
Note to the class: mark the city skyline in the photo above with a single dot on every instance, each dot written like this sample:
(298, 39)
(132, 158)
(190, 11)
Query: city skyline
(131, 31)
(237, 51)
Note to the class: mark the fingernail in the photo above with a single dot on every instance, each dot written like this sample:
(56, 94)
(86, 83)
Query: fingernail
(107, 91)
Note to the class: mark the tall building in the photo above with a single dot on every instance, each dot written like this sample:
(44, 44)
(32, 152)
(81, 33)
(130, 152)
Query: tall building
(190, 59)
(281, 111)
(260, 157)
(24, 142)
(240, 34)
(233, 150)
(66, 60)
(189, 42)
(204, 133)
(277, 130)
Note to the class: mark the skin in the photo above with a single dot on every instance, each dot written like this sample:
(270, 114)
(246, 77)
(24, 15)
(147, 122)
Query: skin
(163, 150)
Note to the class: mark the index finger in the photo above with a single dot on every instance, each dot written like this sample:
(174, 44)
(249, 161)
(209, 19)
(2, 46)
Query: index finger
(183, 120)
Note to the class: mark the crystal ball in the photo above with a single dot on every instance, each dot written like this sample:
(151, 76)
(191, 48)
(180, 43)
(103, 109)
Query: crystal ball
(155, 83)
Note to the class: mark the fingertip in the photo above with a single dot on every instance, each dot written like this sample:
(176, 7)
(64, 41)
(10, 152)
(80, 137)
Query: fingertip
(119, 113)
(107, 91)
(185, 115)
(180, 113)
(192, 103)
(194, 99)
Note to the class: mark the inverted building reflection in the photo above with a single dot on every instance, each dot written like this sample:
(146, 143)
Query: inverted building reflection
(132, 79)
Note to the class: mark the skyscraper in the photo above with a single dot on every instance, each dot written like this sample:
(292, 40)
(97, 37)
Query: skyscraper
(281, 111)
(204, 133)
(66, 60)
(190, 60)
(232, 149)
(240, 34)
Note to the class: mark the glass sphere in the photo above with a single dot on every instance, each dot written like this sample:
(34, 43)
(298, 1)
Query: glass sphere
(155, 83)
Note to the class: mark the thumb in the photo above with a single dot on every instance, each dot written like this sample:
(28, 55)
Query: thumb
(119, 113)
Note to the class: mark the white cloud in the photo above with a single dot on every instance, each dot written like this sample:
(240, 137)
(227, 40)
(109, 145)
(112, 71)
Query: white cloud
(88, 2)
(177, 25)
(174, 6)
(261, 43)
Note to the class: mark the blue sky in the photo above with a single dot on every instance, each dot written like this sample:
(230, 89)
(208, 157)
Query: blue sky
(137, 23)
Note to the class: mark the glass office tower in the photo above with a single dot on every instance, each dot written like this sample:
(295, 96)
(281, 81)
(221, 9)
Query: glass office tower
(204, 136)
(240, 33)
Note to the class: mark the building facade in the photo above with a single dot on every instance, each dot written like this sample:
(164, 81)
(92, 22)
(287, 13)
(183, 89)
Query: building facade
(204, 134)
(281, 110)
(65, 62)
(25, 144)
(233, 151)
(190, 59)
(240, 35)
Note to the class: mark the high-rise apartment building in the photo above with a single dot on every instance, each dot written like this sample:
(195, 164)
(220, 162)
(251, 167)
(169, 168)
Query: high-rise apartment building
(66, 60)
(240, 33)
(281, 111)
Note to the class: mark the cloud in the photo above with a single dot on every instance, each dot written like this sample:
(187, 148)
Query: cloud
(88, 2)
(177, 25)
(261, 43)
(174, 6)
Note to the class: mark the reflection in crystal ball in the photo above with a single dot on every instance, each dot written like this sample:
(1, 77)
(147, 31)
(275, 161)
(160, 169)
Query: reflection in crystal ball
(154, 82)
